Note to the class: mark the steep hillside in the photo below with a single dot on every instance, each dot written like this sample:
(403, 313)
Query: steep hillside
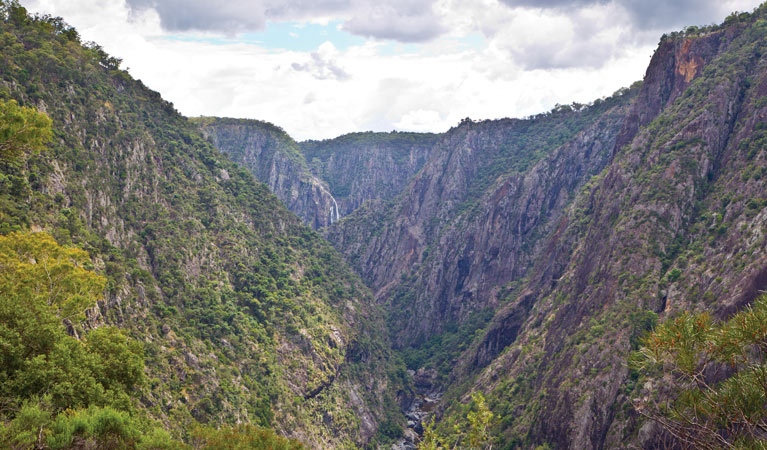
(321, 181)
(245, 314)
(274, 158)
(674, 222)
(520, 259)
(472, 219)
(367, 166)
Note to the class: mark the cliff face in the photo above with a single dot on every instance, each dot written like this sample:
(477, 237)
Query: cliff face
(273, 157)
(672, 223)
(472, 219)
(367, 166)
(245, 314)
(651, 205)
(321, 181)
(674, 65)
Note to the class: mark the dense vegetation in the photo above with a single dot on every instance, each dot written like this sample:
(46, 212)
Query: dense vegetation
(441, 350)
(229, 309)
(527, 141)
(473, 433)
(154, 295)
(709, 379)
(57, 389)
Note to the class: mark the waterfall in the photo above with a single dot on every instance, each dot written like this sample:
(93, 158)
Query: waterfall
(334, 216)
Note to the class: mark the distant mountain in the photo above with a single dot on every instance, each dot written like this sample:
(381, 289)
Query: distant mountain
(367, 166)
(274, 158)
(321, 181)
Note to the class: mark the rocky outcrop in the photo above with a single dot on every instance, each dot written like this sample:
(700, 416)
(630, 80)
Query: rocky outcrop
(669, 225)
(321, 181)
(462, 228)
(273, 157)
(367, 166)
(674, 65)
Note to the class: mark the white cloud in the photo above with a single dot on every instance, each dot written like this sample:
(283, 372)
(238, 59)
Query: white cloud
(530, 60)
(403, 20)
(322, 64)
(420, 120)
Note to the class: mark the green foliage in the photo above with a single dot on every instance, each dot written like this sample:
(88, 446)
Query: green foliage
(105, 427)
(38, 273)
(44, 287)
(242, 437)
(473, 433)
(51, 382)
(35, 426)
(22, 131)
(441, 350)
(430, 440)
(238, 305)
(716, 375)
(528, 141)
(642, 322)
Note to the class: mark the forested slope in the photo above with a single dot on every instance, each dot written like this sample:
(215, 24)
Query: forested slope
(243, 314)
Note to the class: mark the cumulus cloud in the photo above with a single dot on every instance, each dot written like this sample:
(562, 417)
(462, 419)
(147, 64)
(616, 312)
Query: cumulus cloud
(401, 20)
(525, 60)
(558, 34)
(231, 16)
(537, 39)
(644, 13)
(322, 64)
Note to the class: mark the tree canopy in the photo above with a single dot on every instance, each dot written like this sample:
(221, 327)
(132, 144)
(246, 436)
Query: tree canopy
(23, 131)
(709, 379)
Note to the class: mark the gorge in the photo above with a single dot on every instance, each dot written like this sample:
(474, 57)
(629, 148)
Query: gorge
(343, 292)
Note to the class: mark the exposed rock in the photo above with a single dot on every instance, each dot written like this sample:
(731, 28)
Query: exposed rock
(424, 380)
(367, 166)
(447, 248)
(321, 181)
(273, 157)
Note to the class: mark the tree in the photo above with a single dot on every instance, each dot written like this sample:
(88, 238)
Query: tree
(430, 439)
(56, 389)
(479, 418)
(38, 273)
(714, 378)
(242, 437)
(23, 131)
(473, 433)
(44, 288)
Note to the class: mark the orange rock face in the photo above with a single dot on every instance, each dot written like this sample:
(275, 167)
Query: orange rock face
(687, 65)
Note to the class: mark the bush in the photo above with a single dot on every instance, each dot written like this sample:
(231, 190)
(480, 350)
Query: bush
(715, 374)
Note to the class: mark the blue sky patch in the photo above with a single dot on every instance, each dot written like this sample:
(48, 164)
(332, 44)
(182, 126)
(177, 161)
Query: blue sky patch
(295, 36)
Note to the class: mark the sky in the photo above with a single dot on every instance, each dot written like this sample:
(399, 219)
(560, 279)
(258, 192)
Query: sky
(322, 68)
